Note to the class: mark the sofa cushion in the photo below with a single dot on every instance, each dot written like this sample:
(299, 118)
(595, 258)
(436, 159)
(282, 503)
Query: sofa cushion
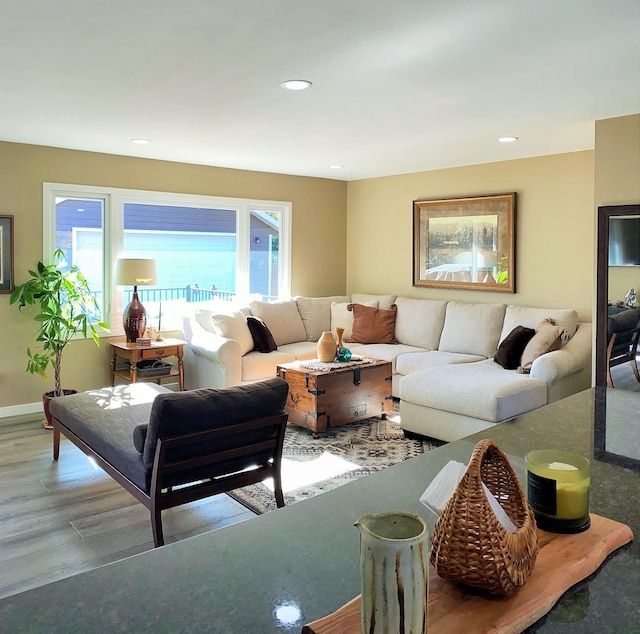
(233, 326)
(512, 346)
(419, 322)
(342, 317)
(315, 313)
(472, 328)
(383, 351)
(282, 319)
(531, 317)
(479, 390)
(373, 325)
(262, 338)
(257, 366)
(382, 301)
(415, 362)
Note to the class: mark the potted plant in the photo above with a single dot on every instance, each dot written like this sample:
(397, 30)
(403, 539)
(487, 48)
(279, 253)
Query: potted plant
(65, 307)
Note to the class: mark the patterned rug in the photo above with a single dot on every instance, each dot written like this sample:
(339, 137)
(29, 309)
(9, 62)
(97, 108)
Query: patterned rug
(342, 454)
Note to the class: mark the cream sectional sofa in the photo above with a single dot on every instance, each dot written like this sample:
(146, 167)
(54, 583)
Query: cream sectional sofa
(442, 366)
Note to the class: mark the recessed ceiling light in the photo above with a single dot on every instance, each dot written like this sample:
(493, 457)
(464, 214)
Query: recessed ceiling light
(140, 141)
(508, 139)
(296, 84)
(336, 167)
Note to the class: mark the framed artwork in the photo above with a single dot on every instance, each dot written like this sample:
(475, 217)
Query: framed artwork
(6, 254)
(465, 243)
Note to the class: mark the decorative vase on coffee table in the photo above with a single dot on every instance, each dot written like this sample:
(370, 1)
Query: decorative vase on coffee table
(326, 348)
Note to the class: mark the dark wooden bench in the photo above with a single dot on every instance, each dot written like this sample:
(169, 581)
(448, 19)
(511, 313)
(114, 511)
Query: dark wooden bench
(169, 448)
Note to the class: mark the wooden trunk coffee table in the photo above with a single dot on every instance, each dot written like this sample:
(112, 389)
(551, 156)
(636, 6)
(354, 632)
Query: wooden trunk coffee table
(319, 399)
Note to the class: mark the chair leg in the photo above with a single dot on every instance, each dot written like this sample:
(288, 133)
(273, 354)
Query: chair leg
(634, 365)
(156, 526)
(277, 489)
(609, 379)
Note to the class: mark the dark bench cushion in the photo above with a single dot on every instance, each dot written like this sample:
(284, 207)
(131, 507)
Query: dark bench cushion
(179, 413)
(104, 420)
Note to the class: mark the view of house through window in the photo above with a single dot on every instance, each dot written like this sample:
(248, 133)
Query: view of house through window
(206, 249)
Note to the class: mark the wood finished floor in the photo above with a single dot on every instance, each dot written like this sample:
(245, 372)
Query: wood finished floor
(61, 518)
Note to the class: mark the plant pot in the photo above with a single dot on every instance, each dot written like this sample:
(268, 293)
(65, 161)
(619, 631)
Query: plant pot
(46, 399)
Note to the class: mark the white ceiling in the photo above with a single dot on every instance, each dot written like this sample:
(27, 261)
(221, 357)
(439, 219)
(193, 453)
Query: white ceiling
(398, 85)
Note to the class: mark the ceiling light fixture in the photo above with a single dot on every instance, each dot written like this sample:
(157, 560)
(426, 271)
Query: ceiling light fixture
(296, 84)
(508, 139)
(140, 141)
(335, 167)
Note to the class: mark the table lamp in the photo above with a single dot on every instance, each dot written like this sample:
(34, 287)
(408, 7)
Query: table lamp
(135, 272)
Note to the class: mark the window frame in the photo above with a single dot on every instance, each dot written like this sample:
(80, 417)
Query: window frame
(114, 199)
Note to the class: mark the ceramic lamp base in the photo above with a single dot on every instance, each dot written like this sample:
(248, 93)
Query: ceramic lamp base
(134, 319)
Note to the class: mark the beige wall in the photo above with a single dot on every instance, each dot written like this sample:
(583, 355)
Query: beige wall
(554, 241)
(319, 238)
(617, 162)
(618, 183)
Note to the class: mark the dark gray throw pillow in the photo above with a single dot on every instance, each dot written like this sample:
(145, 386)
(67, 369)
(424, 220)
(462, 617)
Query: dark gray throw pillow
(510, 350)
(139, 436)
(263, 340)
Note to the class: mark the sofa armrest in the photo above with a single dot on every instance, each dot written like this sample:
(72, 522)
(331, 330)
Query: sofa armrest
(570, 359)
(210, 360)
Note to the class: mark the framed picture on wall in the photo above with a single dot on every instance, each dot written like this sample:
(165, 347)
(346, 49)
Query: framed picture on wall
(465, 243)
(6, 254)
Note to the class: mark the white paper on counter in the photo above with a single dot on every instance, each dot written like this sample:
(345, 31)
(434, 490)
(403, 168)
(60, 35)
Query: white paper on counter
(437, 494)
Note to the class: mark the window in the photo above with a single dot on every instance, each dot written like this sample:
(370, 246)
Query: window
(206, 248)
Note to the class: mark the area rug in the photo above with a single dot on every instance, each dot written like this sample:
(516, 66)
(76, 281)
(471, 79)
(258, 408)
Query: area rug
(340, 455)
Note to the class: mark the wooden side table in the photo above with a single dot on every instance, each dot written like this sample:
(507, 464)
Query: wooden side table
(156, 351)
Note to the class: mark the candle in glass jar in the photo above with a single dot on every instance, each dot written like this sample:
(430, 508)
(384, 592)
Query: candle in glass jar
(558, 485)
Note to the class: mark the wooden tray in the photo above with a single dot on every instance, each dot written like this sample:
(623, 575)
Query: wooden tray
(562, 561)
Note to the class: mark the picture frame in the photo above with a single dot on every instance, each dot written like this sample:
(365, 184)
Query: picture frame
(6, 254)
(465, 243)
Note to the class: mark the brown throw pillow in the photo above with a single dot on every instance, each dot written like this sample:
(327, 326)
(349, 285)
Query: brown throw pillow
(510, 350)
(263, 340)
(548, 337)
(373, 325)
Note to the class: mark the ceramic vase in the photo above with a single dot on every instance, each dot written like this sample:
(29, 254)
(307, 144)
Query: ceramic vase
(326, 348)
(394, 571)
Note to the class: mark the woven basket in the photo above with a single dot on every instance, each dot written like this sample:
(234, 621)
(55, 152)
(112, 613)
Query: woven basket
(469, 544)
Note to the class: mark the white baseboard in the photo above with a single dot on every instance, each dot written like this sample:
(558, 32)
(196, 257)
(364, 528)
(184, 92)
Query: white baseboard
(36, 408)
(19, 410)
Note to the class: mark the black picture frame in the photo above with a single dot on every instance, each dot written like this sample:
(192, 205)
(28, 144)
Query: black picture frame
(6, 254)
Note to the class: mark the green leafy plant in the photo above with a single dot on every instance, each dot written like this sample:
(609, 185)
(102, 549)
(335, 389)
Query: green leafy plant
(65, 307)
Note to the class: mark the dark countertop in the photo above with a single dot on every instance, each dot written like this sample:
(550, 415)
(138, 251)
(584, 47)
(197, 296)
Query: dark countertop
(303, 560)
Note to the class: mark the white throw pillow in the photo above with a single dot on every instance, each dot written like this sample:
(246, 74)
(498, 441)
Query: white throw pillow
(531, 317)
(419, 322)
(234, 326)
(343, 318)
(382, 301)
(472, 328)
(315, 313)
(282, 319)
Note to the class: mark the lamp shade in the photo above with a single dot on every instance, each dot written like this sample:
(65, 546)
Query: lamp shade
(136, 272)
